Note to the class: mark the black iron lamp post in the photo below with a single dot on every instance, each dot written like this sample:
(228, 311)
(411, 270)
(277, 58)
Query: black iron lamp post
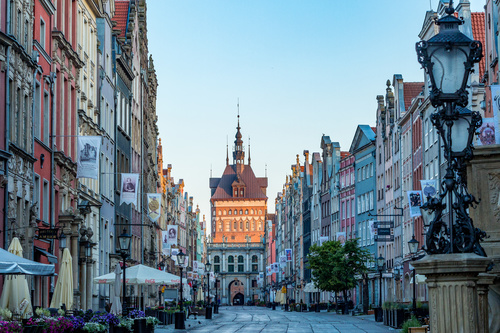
(208, 309)
(380, 267)
(413, 245)
(124, 243)
(216, 304)
(448, 58)
(180, 316)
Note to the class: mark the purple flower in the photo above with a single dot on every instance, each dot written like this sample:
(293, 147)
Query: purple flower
(136, 314)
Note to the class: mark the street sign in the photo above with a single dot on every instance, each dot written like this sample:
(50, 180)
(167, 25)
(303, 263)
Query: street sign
(47, 233)
(384, 231)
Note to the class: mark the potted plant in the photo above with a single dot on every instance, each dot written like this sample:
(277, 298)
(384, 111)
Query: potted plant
(125, 325)
(91, 327)
(8, 326)
(412, 325)
(139, 320)
(151, 323)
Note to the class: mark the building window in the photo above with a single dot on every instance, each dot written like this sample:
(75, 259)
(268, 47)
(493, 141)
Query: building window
(230, 264)
(216, 264)
(241, 264)
(255, 265)
(246, 211)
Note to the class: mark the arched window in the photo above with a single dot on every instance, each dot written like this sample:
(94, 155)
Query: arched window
(224, 212)
(241, 225)
(241, 264)
(220, 213)
(255, 264)
(260, 225)
(220, 226)
(213, 213)
(235, 192)
(235, 212)
(230, 264)
(234, 225)
(216, 264)
(246, 211)
(241, 212)
(251, 211)
(253, 225)
(230, 212)
(242, 193)
(260, 212)
(247, 226)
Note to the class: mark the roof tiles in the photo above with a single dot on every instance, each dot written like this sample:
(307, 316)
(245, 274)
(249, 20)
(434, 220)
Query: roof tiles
(478, 32)
(411, 90)
(121, 15)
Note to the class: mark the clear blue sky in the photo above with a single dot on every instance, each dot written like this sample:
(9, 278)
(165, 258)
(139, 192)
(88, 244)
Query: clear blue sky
(300, 68)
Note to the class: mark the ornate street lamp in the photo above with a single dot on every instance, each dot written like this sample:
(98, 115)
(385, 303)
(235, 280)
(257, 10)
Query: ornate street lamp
(216, 304)
(124, 247)
(208, 310)
(62, 241)
(180, 316)
(448, 58)
(380, 267)
(413, 245)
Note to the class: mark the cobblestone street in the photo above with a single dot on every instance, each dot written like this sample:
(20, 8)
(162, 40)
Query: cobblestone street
(264, 320)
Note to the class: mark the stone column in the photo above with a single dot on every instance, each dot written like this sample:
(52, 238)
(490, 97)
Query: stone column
(83, 280)
(224, 269)
(90, 283)
(452, 280)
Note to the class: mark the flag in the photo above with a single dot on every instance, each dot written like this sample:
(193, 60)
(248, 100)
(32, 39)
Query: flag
(323, 239)
(87, 161)
(415, 200)
(164, 240)
(429, 188)
(341, 237)
(154, 207)
(172, 235)
(288, 254)
(268, 271)
(275, 268)
(283, 261)
(129, 186)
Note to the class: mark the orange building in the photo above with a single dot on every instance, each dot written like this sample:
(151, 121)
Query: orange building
(238, 201)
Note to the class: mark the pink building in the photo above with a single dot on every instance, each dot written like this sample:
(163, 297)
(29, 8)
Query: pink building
(347, 195)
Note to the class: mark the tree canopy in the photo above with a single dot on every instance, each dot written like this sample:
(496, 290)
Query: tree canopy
(335, 265)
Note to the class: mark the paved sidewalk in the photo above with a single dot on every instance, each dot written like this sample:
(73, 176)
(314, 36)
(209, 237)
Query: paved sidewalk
(243, 319)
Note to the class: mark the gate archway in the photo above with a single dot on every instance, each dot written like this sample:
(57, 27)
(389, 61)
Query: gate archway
(236, 290)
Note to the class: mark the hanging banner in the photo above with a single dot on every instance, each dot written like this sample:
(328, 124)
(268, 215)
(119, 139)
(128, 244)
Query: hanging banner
(201, 268)
(154, 207)
(87, 161)
(130, 182)
(489, 132)
(268, 271)
(372, 228)
(195, 266)
(172, 234)
(164, 240)
(283, 261)
(429, 188)
(415, 200)
(323, 239)
(288, 254)
(275, 268)
(341, 237)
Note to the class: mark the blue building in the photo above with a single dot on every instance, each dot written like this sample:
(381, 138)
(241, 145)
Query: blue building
(363, 149)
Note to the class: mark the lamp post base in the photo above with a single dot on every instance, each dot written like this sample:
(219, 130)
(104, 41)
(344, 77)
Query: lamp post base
(208, 312)
(452, 280)
(179, 320)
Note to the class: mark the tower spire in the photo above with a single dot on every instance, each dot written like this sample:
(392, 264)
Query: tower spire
(249, 159)
(238, 153)
(227, 150)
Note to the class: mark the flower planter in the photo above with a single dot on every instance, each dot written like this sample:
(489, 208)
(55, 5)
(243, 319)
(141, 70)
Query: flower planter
(118, 329)
(398, 317)
(32, 329)
(417, 330)
(140, 325)
(370, 312)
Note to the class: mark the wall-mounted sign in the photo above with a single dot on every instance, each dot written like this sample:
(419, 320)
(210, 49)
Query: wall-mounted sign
(47, 233)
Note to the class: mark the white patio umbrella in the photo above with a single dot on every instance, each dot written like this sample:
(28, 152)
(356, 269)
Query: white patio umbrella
(141, 275)
(116, 307)
(63, 292)
(16, 295)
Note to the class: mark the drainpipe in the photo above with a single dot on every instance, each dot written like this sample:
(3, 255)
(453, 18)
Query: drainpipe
(7, 131)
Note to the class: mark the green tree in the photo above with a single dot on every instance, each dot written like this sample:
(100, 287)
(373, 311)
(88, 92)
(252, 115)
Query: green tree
(335, 265)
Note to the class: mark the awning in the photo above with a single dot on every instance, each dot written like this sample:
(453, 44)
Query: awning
(52, 258)
(419, 279)
(12, 264)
